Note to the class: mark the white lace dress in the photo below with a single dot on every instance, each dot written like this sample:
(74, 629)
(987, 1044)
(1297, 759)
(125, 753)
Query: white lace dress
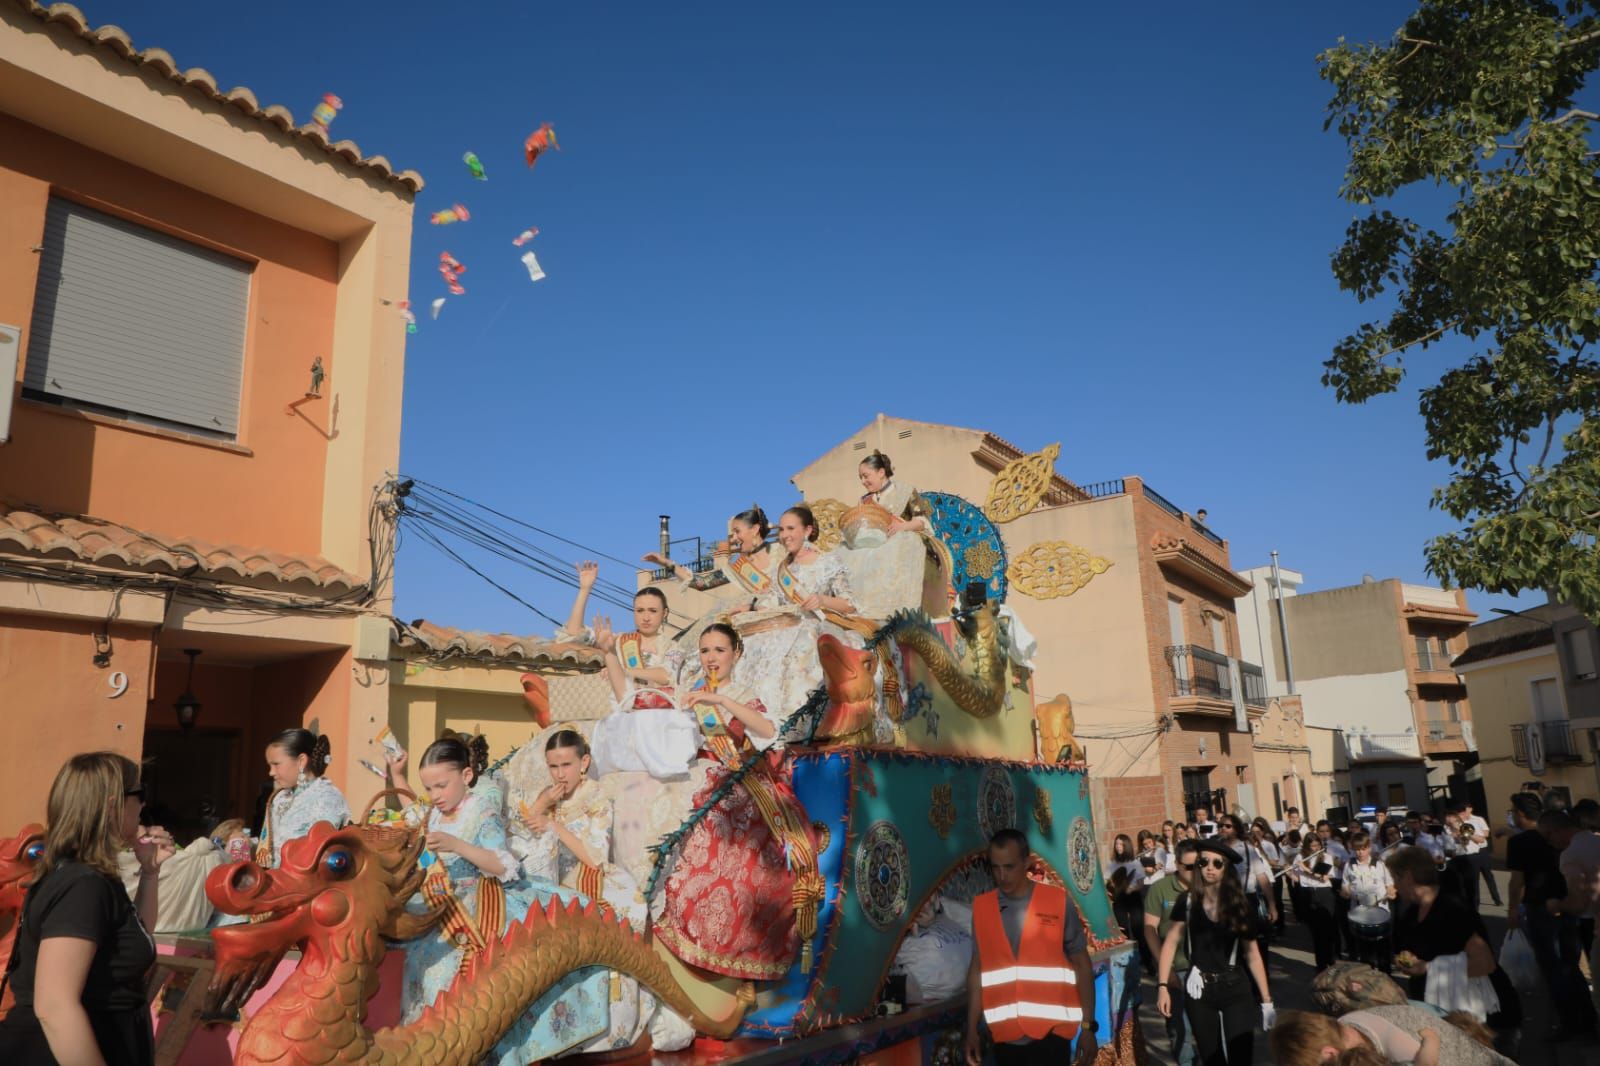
(780, 666)
(296, 810)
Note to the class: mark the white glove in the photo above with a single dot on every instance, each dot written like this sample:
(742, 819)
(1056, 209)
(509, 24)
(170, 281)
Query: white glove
(1269, 1015)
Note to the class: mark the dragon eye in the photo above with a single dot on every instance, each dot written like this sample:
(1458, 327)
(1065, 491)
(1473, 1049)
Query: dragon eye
(339, 863)
(34, 852)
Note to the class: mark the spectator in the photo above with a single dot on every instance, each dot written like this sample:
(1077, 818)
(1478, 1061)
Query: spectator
(1169, 842)
(1154, 857)
(1159, 902)
(1218, 931)
(1580, 868)
(1438, 930)
(1125, 885)
(1481, 856)
(1535, 880)
(1398, 1033)
(1254, 874)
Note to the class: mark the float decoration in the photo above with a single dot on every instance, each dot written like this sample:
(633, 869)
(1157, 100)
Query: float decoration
(19, 855)
(942, 810)
(827, 512)
(959, 528)
(1053, 568)
(1020, 485)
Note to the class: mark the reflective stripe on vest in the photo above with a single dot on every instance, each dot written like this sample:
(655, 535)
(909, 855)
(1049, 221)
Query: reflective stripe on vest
(1031, 991)
(1008, 974)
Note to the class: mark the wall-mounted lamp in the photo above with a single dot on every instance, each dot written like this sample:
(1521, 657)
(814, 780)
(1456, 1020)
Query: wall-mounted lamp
(187, 706)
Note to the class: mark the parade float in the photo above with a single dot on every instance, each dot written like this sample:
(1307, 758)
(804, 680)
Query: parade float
(897, 821)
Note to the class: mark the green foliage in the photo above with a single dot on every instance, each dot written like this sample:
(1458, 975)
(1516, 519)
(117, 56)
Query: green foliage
(1484, 99)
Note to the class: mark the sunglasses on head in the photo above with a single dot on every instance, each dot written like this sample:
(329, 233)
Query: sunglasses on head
(1212, 864)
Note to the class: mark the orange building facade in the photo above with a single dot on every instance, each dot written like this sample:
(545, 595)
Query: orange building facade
(206, 397)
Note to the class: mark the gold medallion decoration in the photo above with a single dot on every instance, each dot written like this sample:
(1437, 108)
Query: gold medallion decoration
(981, 560)
(1053, 568)
(827, 513)
(1020, 485)
(942, 811)
(1043, 816)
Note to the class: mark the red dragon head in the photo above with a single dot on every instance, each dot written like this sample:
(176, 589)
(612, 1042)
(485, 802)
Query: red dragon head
(335, 894)
(19, 856)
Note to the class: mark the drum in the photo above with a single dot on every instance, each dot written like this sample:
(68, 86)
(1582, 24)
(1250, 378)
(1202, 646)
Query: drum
(1369, 923)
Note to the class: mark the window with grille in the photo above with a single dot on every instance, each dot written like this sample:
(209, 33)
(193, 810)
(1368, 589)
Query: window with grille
(136, 323)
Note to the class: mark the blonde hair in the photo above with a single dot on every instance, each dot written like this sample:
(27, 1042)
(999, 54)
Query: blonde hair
(84, 812)
(1298, 1037)
(225, 830)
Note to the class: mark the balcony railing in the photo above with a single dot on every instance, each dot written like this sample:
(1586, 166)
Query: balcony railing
(1100, 489)
(1442, 730)
(1432, 657)
(697, 566)
(1204, 532)
(1162, 502)
(1198, 671)
(1556, 738)
(1255, 684)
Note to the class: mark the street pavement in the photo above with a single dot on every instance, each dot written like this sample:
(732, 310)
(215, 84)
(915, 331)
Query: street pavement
(1291, 966)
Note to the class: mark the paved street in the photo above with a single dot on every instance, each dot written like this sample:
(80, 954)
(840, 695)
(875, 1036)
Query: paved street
(1290, 967)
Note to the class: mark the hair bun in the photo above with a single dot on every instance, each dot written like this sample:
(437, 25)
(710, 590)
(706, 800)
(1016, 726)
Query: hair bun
(321, 754)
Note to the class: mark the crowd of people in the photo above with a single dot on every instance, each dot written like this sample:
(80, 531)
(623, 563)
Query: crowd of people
(1396, 898)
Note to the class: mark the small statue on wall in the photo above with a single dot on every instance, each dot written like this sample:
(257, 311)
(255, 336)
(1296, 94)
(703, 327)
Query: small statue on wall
(317, 376)
(1054, 725)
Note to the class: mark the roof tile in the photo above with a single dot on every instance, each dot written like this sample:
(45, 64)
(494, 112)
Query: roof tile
(448, 642)
(114, 39)
(105, 543)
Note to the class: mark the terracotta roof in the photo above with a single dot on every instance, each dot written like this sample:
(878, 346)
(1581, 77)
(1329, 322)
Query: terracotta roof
(103, 543)
(198, 80)
(1507, 645)
(446, 642)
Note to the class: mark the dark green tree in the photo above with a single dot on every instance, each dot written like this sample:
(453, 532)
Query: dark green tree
(1483, 106)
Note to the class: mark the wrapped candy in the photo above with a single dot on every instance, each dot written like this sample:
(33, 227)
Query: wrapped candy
(435, 307)
(475, 166)
(325, 112)
(539, 141)
(535, 272)
(458, 213)
(450, 269)
(405, 311)
(525, 236)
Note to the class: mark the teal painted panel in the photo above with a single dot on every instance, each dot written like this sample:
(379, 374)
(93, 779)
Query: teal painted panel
(898, 788)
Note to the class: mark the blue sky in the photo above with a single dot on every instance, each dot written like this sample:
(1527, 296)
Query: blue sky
(1107, 225)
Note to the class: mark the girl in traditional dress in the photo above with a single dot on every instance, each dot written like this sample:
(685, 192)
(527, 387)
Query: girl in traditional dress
(810, 596)
(645, 731)
(570, 827)
(474, 876)
(569, 843)
(296, 761)
(731, 899)
(743, 572)
(886, 541)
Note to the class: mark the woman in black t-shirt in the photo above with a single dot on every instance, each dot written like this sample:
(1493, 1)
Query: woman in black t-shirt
(1434, 925)
(1218, 926)
(82, 952)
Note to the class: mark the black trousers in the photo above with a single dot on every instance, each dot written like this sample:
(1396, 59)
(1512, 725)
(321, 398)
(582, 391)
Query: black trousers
(1482, 862)
(1322, 915)
(1053, 1050)
(1224, 1028)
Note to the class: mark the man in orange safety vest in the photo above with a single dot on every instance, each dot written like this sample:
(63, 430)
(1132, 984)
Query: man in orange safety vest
(1031, 981)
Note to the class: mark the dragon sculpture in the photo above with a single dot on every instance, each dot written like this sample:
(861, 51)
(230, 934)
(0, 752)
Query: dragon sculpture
(980, 689)
(337, 896)
(19, 855)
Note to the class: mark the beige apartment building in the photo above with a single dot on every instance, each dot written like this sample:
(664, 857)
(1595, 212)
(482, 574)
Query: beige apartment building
(1373, 661)
(1535, 706)
(1132, 601)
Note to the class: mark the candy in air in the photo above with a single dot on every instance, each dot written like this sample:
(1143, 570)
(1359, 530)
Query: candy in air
(525, 236)
(435, 307)
(535, 272)
(539, 141)
(405, 311)
(458, 213)
(324, 112)
(475, 166)
(450, 269)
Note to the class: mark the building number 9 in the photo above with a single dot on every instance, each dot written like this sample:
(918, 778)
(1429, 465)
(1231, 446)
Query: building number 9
(118, 683)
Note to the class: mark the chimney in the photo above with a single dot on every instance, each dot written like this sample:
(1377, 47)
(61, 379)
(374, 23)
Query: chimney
(666, 537)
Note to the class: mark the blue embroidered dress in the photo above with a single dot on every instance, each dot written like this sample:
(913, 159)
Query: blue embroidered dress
(573, 1012)
(295, 810)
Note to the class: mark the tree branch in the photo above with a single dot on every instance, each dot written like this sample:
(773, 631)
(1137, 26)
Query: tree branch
(1579, 42)
(1420, 340)
(1574, 113)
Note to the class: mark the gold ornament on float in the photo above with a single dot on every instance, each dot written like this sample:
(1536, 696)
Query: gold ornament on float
(1053, 568)
(1043, 816)
(981, 560)
(827, 513)
(1020, 485)
(942, 811)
